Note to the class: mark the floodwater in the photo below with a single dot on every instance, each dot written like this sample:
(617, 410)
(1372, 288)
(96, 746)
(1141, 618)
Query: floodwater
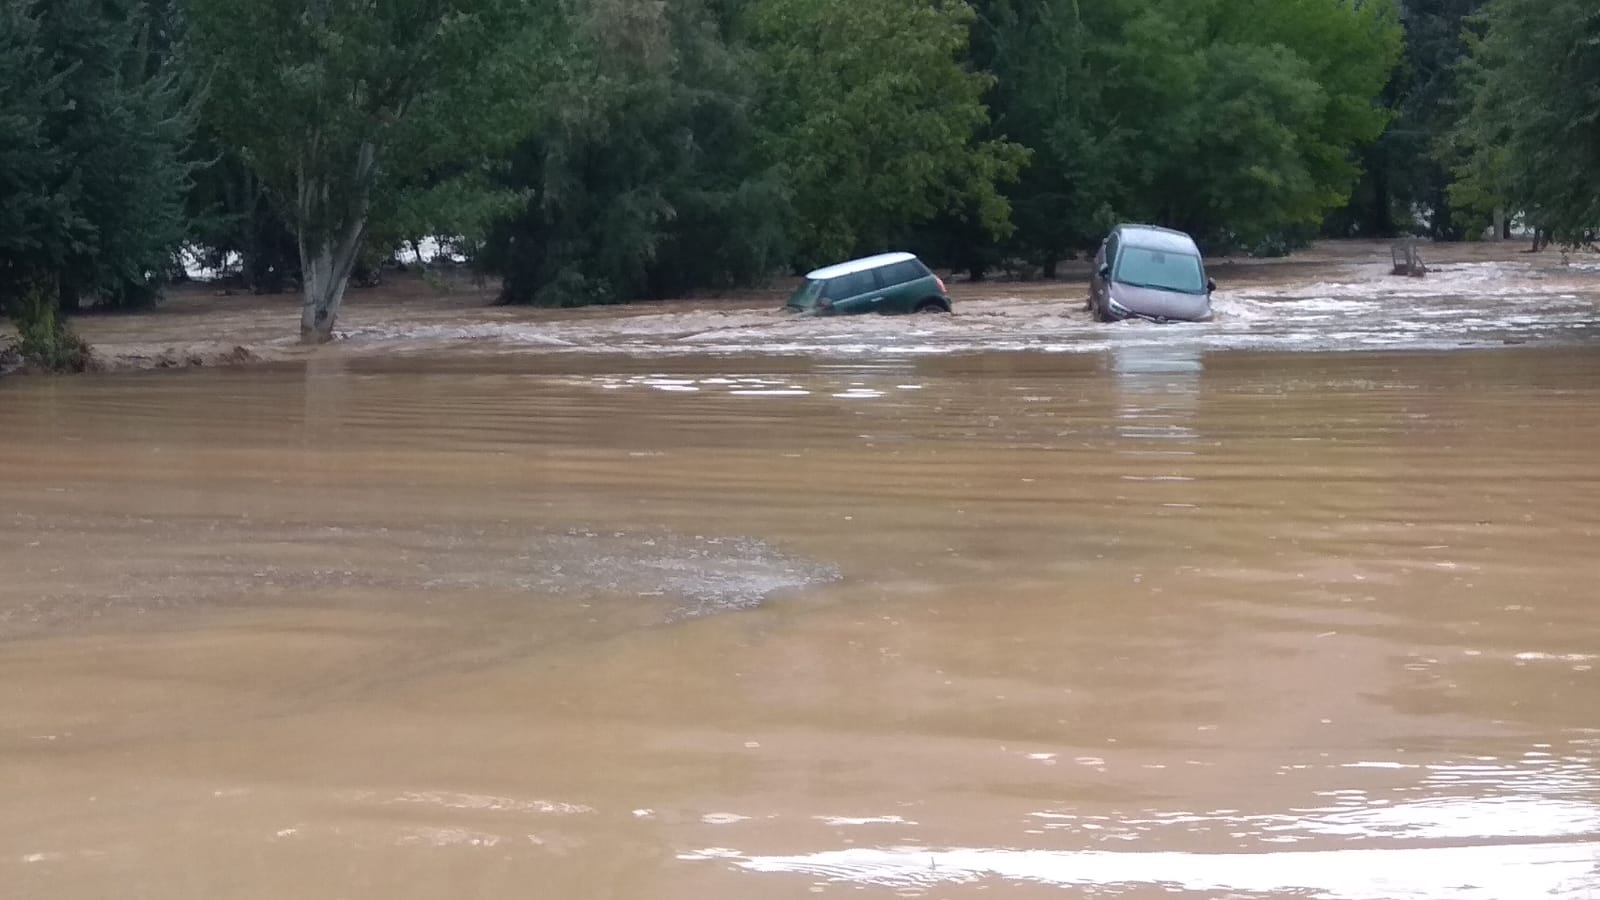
(1152, 615)
(1348, 305)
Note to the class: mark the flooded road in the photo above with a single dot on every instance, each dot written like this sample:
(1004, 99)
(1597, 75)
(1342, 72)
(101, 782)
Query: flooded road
(1336, 296)
(1350, 305)
(1146, 620)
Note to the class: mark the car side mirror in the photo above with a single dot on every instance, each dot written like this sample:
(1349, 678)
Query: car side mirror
(1211, 286)
(1105, 271)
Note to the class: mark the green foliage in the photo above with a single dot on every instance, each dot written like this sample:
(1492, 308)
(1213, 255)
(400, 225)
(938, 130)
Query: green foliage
(44, 339)
(1531, 140)
(38, 219)
(306, 92)
(1042, 98)
(873, 121)
(91, 129)
(1238, 120)
(640, 178)
(350, 111)
(607, 150)
(231, 212)
(1404, 177)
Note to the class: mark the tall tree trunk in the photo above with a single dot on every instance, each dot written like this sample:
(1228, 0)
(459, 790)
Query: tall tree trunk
(325, 273)
(327, 257)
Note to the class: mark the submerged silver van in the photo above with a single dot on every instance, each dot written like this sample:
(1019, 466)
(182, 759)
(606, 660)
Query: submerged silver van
(1145, 272)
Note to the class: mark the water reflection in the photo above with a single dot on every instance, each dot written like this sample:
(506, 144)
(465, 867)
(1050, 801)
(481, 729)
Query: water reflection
(1158, 390)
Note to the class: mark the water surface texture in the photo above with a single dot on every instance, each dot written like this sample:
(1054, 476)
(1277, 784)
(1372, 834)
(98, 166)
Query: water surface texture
(1154, 619)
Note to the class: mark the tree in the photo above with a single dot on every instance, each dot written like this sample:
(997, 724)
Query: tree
(1239, 120)
(92, 126)
(873, 121)
(640, 175)
(230, 213)
(1405, 178)
(348, 110)
(37, 218)
(1043, 98)
(1531, 139)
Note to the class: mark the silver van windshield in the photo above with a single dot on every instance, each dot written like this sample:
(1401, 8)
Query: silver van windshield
(1160, 269)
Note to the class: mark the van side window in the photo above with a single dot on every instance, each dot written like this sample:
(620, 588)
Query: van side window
(1111, 251)
(900, 273)
(846, 286)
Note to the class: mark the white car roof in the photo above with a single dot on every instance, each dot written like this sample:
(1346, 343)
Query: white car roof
(1152, 238)
(864, 264)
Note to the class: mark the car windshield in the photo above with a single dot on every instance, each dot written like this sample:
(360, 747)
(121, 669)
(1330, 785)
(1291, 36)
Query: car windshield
(1143, 267)
(806, 295)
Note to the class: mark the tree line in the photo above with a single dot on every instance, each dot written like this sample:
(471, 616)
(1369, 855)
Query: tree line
(598, 151)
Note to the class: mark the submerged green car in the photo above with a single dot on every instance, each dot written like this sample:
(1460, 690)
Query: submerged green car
(887, 283)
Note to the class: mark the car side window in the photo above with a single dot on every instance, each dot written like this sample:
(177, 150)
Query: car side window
(846, 286)
(899, 273)
(1111, 251)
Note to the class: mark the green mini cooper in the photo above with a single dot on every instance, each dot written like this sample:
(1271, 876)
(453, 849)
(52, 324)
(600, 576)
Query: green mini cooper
(887, 283)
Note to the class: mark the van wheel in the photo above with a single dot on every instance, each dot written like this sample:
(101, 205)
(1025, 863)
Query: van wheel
(931, 306)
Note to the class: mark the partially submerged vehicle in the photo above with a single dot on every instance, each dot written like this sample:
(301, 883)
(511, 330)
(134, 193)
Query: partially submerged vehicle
(1146, 272)
(886, 283)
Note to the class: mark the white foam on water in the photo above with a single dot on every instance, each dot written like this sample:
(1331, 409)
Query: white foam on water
(448, 837)
(1560, 870)
(843, 821)
(48, 856)
(1379, 765)
(723, 818)
(489, 803)
(1453, 818)
(1532, 656)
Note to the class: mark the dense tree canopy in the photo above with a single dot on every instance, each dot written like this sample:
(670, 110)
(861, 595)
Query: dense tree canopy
(1235, 119)
(92, 128)
(1406, 183)
(347, 109)
(1531, 139)
(874, 121)
(640, 172)
(609, 150)
(1044, 98)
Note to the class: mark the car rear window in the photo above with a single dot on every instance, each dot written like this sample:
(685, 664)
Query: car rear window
(902, 272)
(846, 286)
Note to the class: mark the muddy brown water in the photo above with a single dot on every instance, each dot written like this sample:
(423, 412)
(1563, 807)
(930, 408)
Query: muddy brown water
(704, 602)
(1134, 623)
